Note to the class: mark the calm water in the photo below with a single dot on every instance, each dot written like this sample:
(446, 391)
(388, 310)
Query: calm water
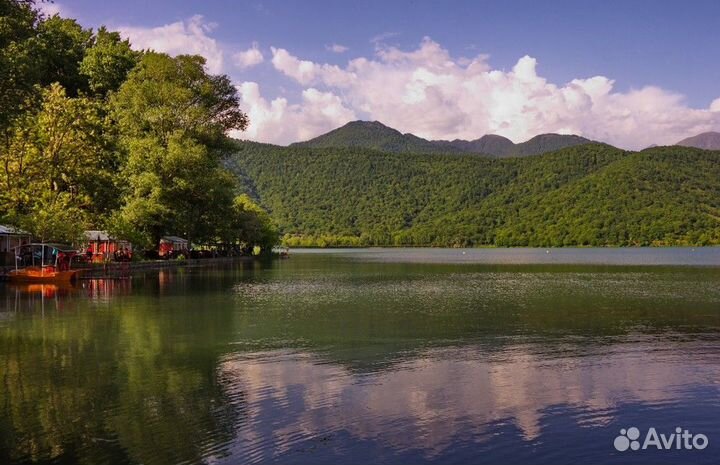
(370, 356)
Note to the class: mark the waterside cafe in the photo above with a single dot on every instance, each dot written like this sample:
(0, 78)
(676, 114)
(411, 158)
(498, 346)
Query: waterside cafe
(11, 237)
(100, 246)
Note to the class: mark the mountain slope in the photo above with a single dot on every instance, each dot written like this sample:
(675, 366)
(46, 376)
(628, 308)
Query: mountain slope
(490, 144)
(592, 194)
(706, 140)
(376, 136)
(544, 143)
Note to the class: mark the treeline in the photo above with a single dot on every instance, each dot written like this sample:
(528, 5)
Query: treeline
(589, 195)
(95, 134)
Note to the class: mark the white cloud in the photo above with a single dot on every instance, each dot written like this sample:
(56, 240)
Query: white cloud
(382, 37)
(429, 93)
(336, 48)
(279, 122)
(715, 105)
(306, 72)
(248, 58)
(179, 38)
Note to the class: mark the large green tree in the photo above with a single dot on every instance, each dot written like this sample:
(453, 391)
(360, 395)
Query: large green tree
(18, 61)
(57, 161)
(173, 116)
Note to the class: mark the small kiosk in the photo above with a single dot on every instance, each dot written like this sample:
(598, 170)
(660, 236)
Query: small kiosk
(101, 247)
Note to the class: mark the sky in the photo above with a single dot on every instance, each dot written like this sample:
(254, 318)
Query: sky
(631, 73)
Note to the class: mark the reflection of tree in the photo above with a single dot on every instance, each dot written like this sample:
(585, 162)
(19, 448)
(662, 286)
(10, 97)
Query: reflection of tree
(168, 386)
(96, 387)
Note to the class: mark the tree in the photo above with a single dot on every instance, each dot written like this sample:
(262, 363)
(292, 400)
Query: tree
(166, 96)
(173, 117)
(62, 44)
(252, 224)
(58, 162)
(18, 62)
(107, 63)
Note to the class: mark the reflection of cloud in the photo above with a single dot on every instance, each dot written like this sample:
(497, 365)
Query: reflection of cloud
(426, 403)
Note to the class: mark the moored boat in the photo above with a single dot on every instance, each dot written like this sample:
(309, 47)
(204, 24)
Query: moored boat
(43, 263)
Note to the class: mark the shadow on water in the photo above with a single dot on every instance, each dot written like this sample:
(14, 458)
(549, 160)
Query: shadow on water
(323, 358)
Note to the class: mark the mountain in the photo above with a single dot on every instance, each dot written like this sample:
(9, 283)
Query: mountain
(706, 140)
(547, 143)
(489, 144)
(375, 135)
(591, 194)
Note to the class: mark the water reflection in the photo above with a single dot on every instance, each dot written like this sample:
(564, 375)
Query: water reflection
(442, 398)
(324, 360)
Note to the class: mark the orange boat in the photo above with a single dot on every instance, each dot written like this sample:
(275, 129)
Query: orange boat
(43, 263)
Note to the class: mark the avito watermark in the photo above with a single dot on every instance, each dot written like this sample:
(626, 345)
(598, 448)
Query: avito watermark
(681, 439)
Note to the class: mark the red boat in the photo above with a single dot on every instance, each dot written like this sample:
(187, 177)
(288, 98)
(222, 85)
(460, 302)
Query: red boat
(43, 263)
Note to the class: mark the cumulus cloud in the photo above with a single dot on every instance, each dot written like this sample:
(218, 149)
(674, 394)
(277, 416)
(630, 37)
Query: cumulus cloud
(336, 48)
(715, 105)
(306, 72)
(428, 92)
(189, 37)
(248, 58)
(279, 122)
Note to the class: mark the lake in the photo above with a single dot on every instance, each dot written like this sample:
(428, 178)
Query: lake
(369, 356)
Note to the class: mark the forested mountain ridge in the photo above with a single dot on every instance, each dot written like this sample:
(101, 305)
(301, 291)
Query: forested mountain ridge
(376, 136)
(591, 194)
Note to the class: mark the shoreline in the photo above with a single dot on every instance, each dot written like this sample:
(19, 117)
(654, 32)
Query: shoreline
(113, 269)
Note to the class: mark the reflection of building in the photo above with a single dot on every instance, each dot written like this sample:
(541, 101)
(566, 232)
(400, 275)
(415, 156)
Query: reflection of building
(170, 245)
(11, 237)
(105, 289)
(103, 246)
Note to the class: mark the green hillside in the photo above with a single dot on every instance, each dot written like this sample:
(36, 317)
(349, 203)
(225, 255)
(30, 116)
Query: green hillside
(585, 195)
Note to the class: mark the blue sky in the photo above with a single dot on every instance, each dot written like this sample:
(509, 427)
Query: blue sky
(672, 46)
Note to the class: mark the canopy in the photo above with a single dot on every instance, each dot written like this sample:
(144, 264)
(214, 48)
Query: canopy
(6, 230)
(59, 247)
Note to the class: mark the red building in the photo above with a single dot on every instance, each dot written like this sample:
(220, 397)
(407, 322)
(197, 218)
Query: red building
(173, 245)
(100, 247)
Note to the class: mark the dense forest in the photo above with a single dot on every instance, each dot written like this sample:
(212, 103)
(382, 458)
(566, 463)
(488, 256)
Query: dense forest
(96, 135)
(588, 195)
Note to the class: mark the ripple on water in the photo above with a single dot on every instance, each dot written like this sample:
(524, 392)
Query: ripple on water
(442, 400)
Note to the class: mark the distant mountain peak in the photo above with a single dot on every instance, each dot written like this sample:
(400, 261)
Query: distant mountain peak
(376, 135)
(706, 140)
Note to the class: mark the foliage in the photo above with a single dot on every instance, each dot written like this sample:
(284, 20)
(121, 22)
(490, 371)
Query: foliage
(56, 159)
(94, 134)
(62, 44)
(172, 117)
(18, 60)
(107, 63)
(254, 223)
(589, 195)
